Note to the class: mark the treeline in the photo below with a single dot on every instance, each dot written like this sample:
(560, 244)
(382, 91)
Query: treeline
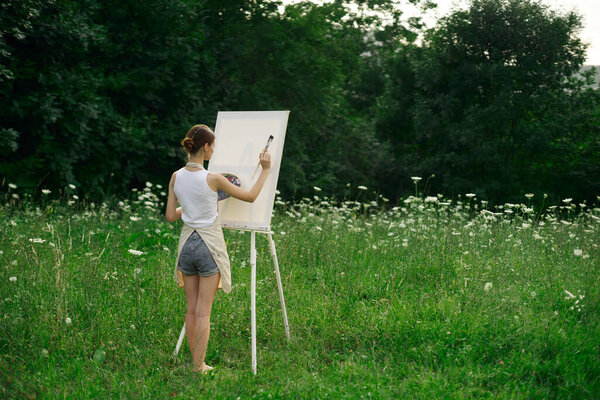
(99, 94)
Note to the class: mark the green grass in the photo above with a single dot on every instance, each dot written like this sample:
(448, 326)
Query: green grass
(381, 303)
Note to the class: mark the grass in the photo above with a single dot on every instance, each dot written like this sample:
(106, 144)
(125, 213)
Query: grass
(428, 299)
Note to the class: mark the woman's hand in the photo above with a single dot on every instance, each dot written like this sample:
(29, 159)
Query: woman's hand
(265, 160)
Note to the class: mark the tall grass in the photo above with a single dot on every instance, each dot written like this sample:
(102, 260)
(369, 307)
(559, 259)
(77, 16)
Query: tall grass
(431, 298)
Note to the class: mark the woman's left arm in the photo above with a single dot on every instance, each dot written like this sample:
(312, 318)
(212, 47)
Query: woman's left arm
(173, 213)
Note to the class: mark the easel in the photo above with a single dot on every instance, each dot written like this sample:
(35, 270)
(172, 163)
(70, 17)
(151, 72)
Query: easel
(253, 290)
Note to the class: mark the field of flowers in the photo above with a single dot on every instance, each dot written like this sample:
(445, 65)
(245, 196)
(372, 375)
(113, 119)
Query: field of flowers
(427, 298)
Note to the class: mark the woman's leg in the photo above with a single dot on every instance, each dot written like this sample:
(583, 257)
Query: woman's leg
(190, 285)
(207, 288)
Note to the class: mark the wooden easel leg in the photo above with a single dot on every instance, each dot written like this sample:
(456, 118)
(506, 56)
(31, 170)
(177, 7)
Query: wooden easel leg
(181, 336)
(253, 297)
(279, 286)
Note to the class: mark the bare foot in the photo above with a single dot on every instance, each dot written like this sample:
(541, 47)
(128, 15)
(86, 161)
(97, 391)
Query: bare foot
(204, 369)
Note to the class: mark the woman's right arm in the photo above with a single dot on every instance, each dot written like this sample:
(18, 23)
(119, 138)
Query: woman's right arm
(172, 213)
(221, 183)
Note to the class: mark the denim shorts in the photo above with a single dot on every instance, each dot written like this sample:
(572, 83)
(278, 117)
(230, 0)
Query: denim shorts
(195, 258)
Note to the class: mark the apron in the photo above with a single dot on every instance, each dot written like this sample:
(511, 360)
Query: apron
(215, 242)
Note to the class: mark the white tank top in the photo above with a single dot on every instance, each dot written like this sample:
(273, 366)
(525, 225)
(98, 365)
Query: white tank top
(198, 201)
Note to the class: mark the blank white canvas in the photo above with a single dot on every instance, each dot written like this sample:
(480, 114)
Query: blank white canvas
(240, 136)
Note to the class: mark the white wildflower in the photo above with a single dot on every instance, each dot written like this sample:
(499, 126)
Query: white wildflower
(159, 187)
(71, 186)
(37, 240)
(148, 184)
(68, 321)
(431, 199)
(282, 233)
(529, 195)
(46, 191)
(487, 286)
(578, 252)
(567, 201)
(317, 189)
(12, 279)
(569, 295)
(15, 196)
(75, 197)
(470, 195)
(135, 252)
(415, 179)
(362, 187)
(134, 218)
(12, 186)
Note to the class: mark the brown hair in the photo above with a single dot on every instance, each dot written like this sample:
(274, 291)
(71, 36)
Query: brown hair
(197, 137)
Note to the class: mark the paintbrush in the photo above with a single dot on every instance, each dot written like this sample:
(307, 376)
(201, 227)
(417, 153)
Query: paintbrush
(269, 140)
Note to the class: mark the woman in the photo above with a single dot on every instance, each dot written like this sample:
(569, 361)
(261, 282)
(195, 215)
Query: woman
(202, 262)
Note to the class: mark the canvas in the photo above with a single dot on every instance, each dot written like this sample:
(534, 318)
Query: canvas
(240, 136)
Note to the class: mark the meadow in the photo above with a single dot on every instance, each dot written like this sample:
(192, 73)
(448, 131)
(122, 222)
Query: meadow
(428, 298)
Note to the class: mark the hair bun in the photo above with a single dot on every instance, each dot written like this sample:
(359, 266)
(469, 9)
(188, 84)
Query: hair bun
(189, 144)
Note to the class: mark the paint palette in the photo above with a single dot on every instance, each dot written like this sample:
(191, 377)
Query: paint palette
(231, 178)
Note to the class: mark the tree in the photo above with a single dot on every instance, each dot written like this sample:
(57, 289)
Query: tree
(100, 93)
(94, 89)
(474, 99)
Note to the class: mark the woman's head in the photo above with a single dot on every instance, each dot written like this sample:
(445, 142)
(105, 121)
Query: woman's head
(197, 138)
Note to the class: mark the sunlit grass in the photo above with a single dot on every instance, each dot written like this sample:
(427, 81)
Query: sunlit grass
(426, 298)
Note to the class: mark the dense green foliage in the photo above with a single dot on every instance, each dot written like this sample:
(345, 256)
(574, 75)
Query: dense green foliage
(494, 108)
(99, 94)
(429, 299)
